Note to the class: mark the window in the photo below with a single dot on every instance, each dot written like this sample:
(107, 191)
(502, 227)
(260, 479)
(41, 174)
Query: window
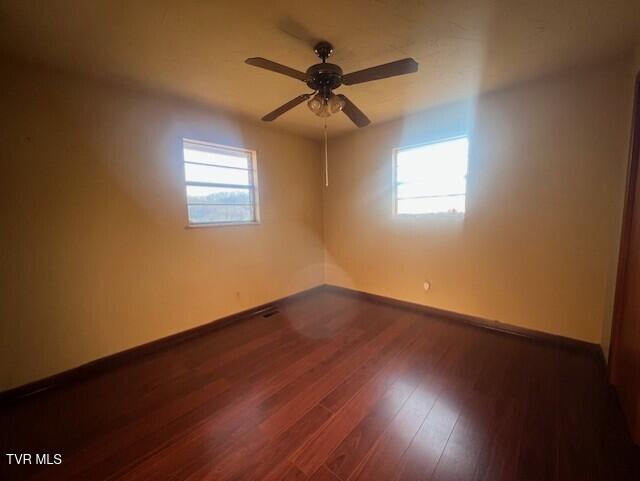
(431, 178)
(221, 184)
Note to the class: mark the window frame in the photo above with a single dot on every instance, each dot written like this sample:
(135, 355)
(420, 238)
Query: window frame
(252, 186)
(394, 168)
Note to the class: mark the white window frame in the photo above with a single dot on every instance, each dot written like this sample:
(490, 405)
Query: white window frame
(394, 169)
(253, 184)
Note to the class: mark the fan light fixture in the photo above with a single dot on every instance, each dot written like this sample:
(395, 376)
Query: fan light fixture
(336, 104)
(316, 103)
(324, 111)
(323, 107)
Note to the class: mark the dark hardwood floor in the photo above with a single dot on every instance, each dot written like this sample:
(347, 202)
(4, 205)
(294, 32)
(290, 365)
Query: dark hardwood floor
(333, 388)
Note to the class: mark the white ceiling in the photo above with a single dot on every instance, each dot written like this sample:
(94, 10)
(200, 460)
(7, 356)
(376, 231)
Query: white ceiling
(195, 49)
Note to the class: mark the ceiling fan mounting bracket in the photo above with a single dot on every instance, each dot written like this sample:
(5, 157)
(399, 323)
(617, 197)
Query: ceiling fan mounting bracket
(323, 50)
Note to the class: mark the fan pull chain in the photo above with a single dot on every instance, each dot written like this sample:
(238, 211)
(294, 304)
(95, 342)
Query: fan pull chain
(326, 157)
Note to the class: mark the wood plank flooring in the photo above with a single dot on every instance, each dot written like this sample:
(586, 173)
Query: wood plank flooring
(333, 388)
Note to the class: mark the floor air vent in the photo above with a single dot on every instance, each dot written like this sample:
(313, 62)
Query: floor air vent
(271, 312)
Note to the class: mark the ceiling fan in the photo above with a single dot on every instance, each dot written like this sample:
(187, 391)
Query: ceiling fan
(323, 78)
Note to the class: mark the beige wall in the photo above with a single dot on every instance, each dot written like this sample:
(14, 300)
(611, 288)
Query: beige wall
(96, 257)
(537, 247)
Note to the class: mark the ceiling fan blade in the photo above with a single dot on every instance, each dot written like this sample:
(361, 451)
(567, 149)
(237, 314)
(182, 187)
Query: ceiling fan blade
(392, 69)
(286, 107)
(354, 113)
(276, 67)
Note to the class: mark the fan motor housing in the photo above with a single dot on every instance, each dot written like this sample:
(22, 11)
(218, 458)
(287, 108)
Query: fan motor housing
(324, 77)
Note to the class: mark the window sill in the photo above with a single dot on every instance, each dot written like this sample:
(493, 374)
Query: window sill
(220, 224)
(431, 214)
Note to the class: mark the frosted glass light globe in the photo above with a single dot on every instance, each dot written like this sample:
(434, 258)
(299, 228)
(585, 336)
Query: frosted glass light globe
(336, 104)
